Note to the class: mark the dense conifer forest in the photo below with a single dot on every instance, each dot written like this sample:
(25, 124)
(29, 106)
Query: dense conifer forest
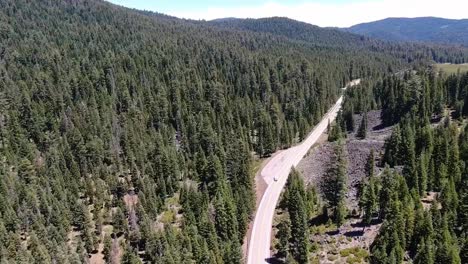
(131, 134)
(420, 197)
(432, 158)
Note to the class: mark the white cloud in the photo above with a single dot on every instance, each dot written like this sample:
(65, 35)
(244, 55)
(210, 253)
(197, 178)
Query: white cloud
(338, 14)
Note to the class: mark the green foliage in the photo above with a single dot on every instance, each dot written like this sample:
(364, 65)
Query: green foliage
(120, 221)
(130, 257)
(298, 215)
(362, 130)
(283, 236)
(334, 187)
(293, 234)
(107, 247)
(105, 112)
(369, 190)
(451, 68)
(430, 159)
(354, 254)
(336, 131)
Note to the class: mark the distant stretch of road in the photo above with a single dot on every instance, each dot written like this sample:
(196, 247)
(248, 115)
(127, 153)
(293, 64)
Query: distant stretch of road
(278, 168)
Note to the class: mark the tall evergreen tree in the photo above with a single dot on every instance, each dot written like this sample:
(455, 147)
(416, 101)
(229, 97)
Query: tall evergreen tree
(334, 187)
(362, 130)
(298, 214)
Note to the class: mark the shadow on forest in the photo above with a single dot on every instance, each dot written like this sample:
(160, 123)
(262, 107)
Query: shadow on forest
(318, 220)
(379, 127)
(274, 260)
(354, 233)
(374, 221)
(333, 233)
(436, 119)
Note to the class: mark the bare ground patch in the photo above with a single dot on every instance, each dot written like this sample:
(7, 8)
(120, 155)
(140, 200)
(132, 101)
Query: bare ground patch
(315, 165)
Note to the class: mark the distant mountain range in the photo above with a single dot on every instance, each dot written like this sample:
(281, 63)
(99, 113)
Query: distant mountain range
(294, 30)
(335, 38)
(421, 29)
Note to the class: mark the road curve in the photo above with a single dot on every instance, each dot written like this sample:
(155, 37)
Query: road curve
(278, 168)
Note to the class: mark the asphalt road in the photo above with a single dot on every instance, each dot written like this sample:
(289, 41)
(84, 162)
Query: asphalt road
(278, 168)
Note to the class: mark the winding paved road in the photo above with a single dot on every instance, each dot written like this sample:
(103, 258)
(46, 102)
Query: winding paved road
(278, 168)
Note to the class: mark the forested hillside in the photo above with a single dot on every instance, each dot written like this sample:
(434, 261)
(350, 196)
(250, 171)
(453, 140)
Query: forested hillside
(413, 194)
(342, 40)
(294, 30)
(129, 135)
(434, 170)
(422, 29)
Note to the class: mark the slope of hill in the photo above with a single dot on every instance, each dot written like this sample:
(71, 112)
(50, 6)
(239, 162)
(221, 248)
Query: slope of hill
(128, 135)
(342, 40)
(293, 29)
(422, 29)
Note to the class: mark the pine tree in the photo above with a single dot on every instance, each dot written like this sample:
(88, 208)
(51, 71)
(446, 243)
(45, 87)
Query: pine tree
(214, 177)
(464, 248)
(38, 250)
(368, 202)
(423, 171)
(335, 133)
(449, 200)
(120, 222)
(297, 212)
(334, 188)
(311, 200)
(408, 150)
(232, 253)
(368, 191)
(447, 250)
(387, 193)
(225, 219)
(26, 172)
(266, 141)
(463, 210)
(362, 130)
(299, 231)
(424, 253)
(454, 170)
(392, 148)
(349, 119)
(130, 257)
(340, 213)
(370, 165)
(283, 236)
(107, 247)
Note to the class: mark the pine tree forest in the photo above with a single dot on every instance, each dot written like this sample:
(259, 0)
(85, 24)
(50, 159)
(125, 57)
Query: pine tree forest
(132, 134)
(420, 197)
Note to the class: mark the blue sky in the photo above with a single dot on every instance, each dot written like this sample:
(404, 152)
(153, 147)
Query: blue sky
(339, 13)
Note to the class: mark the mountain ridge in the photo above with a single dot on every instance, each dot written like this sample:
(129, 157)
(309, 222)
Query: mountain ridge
(418, 29)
